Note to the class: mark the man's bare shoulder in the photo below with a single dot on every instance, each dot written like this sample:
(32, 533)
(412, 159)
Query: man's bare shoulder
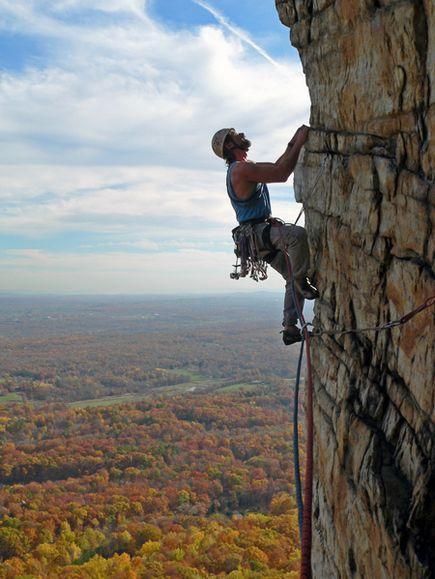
(242, 167)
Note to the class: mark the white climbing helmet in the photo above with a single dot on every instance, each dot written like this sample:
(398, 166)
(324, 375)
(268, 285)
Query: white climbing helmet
(218, 140)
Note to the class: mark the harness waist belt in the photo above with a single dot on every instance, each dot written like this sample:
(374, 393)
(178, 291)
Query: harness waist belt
(255, 221)
(265, 235)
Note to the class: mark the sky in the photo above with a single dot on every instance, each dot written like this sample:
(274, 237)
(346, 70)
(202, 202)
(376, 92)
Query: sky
(108, 183)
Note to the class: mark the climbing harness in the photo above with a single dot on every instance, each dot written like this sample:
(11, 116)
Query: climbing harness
(246, 250)
(251, 260)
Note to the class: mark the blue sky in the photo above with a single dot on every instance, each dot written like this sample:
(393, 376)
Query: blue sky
(107, 180)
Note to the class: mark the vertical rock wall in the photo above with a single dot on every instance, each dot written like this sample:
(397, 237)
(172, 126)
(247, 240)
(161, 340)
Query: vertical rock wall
(369, 66)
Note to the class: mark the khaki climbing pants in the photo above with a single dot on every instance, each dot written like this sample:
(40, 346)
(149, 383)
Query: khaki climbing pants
(293, 240)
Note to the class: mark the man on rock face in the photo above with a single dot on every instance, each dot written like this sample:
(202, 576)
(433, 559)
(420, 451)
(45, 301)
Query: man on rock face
(249, 196)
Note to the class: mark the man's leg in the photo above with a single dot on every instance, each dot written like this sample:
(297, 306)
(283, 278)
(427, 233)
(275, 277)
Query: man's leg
(294, 240)
(290, 313)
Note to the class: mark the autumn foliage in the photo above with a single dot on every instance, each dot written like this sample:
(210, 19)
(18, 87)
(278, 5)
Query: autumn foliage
(189, 486)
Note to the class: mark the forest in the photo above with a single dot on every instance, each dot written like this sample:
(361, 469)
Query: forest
(158, 449)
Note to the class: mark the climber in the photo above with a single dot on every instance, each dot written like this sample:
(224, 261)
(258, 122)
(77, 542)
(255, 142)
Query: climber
(249, 196)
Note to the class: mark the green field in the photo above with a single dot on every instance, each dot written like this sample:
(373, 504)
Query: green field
(196, 382)
(241, 386)
(10, 398)
(108, 400)
(195, 379)
(191, 374)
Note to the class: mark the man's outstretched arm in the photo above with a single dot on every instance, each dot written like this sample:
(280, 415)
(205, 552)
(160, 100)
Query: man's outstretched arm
(291, 143)
(279, 171)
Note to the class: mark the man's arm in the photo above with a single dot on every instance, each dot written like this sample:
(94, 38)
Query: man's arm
(277, 172)
(291, 143)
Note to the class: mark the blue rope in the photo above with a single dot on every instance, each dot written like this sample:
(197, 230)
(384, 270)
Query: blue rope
(298, 484)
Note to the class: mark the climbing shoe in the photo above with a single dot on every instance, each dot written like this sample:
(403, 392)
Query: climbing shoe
(306, 288)
(291, 336)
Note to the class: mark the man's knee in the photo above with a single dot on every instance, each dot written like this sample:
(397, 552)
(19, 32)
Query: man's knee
(279, 235)
(297, 237)
(300, 233)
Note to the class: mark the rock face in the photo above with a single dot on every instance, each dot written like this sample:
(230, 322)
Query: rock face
(370, 69)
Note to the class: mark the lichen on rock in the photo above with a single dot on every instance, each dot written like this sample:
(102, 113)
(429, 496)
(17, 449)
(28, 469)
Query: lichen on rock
(370, 70)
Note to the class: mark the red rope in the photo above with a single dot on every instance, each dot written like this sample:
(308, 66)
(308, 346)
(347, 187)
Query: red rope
(305, 570)
(308, 483)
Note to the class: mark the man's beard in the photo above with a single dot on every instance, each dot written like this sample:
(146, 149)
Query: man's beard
(245, 144)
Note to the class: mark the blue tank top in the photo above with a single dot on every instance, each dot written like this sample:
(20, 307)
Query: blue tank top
(256, 207)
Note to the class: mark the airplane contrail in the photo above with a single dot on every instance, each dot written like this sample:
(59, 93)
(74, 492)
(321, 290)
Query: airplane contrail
(223, 21)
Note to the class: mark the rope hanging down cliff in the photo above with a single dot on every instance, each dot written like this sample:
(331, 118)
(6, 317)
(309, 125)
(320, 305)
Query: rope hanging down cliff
(305, 505)
(298, 486)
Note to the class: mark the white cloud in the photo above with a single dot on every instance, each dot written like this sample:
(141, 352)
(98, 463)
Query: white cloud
(135, 90)
(111, 133)
(169, 203)
(241, 34)
(63, 198)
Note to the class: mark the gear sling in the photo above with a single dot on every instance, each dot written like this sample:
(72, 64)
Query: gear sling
(252, 259)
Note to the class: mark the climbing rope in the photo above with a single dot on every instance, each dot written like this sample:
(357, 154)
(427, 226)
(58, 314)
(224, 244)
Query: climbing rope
(298, 485)
(305, 507)
(399, 322)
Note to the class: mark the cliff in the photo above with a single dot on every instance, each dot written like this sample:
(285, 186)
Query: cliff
(369, 66)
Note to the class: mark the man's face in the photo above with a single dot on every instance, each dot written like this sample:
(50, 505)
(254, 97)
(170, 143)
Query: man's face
(239, 140)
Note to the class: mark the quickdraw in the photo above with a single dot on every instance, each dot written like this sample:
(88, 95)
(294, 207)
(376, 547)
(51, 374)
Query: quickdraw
(249, 259)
